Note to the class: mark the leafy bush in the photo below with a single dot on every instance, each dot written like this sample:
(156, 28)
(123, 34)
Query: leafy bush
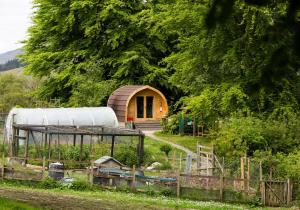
(167, 193)
(166, 148)
(49, 183)
(127, 155)
(240, 135)
(171, 124)
(79, 185)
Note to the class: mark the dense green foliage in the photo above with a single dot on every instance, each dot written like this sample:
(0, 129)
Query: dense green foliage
(16, 91)
(85, 49)
(235, 62)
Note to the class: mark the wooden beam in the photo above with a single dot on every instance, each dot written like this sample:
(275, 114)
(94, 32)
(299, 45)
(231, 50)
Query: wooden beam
(112, 146)
(81, 147)
(26, 147)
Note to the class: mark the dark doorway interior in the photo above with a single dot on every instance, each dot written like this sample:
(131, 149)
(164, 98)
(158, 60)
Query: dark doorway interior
(149, 107)
(140, 107)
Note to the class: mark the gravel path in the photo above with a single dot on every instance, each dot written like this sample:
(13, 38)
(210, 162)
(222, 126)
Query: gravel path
(156, 138)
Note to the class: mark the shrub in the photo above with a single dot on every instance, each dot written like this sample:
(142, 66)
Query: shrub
(49, 183)
(167, 192)
(127, 155)
(170, 125)
(79, 185)
(166, 148)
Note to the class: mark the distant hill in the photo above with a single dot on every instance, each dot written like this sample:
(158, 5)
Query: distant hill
(18, 71)
(10, 55)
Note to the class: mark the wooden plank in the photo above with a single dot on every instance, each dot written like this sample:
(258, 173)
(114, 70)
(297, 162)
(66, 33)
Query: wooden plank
(221, 186)
(81, 147)
(26, 147)
(112, 146)
(178, 185)
(242, 174)
(277, 196)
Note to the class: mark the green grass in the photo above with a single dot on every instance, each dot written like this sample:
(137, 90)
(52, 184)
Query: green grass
(132, 199)
(153, 147)
(7, 204)
(189, 142)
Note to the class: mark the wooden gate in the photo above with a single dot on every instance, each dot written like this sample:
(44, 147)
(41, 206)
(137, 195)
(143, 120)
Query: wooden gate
(276, 193)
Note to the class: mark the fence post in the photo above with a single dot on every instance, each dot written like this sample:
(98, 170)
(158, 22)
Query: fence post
(44, 165)
(221, 185)
(133, 177)
(288, 192)
(242, 174)
(91, 174)
(262, 184)
(248, 175)
(3, 163)
(178, 185)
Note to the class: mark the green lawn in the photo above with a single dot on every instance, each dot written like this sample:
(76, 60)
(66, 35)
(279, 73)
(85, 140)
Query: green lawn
(153, 147)
(7, 204)
(189, 142)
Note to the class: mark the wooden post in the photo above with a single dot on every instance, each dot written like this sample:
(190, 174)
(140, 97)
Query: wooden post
(262, 185)
(81, 147)
(178, 185)
(49, 146)
(207, 165)
(46, 139)
(74, 140)
(92, 173)
(58, 142)
(91, 145)
(248, 175)
(133, 178)
(112, 146)
(11, 153)
(102, 131)
(242, 174)
(221, 185)
(194, 127)
(180, 165)
(44, 167)
(3, 166)
(174, 159)
(17, 143)
(288, 197)
(26, 147)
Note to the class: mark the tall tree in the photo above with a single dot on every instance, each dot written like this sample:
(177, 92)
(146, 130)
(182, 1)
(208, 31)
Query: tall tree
(87, 48)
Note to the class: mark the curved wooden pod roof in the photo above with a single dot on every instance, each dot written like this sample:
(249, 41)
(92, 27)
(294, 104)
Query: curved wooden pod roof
(120, 98)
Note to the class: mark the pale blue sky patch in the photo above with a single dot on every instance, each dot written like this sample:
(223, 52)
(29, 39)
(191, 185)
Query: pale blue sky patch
(14, 22)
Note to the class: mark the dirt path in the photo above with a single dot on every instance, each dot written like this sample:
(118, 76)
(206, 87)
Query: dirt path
(57, 201)
(154, 137)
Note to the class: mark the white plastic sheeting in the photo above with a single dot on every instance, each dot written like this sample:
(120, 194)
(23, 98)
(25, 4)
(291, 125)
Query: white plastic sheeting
(87, 116)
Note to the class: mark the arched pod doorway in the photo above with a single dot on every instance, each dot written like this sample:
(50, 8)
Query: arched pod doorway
(138, 103)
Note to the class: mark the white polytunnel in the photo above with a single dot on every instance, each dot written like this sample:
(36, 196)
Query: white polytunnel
(86, 116)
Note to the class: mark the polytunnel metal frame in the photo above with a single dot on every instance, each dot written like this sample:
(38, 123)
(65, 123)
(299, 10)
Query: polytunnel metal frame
(48, 130)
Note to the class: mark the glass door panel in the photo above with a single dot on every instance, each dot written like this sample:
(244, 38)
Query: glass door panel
(149, 107)
(140, 107)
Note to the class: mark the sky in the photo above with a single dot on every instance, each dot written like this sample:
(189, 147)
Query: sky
(14, 21)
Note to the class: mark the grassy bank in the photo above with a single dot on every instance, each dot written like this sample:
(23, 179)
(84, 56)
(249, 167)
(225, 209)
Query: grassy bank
(8, 204)
(129, 199)
(189, 142)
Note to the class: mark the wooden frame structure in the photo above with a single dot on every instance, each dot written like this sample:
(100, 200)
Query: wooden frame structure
(48, 131)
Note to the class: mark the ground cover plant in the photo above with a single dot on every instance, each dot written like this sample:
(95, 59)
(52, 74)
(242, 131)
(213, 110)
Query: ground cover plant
(127, 199)
(9, 204)
(189, 142)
